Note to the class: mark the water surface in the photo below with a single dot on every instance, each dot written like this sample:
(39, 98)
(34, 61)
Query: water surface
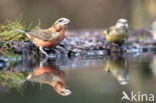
(76, 80)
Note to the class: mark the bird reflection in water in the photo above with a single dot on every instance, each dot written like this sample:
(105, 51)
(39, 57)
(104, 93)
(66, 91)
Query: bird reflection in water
(49, 73)
(116, 65)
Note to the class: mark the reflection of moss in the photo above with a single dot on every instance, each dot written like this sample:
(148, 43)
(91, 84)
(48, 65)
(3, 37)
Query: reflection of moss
(11, 80)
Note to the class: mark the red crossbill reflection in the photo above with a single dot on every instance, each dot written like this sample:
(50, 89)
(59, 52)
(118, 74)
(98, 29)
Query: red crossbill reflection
(50, 74)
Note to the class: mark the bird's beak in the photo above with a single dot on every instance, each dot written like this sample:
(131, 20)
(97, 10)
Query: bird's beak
(64, 92)
(67, 22)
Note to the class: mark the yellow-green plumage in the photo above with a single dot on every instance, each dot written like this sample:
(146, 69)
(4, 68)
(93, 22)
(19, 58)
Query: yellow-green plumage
(116, 37)
(116, 34)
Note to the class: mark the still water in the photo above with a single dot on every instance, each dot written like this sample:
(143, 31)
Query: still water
(77, 80)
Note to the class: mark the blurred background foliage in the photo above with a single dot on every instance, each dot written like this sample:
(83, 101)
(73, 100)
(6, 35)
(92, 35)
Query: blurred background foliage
(85, 14)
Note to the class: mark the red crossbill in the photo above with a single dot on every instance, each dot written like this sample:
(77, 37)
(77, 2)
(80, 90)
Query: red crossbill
(50, 37)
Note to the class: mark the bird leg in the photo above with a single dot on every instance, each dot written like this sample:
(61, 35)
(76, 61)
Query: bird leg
(42, 62)
(44, 52)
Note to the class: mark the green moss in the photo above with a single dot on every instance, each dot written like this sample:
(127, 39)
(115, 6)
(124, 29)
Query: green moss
(9, 34)
(6, 48)
(8, 31)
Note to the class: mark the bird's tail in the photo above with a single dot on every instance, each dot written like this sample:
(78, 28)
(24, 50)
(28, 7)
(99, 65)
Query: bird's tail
(20, 31)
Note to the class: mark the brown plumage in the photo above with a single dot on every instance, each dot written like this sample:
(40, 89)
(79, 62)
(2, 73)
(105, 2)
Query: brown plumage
(50, 37)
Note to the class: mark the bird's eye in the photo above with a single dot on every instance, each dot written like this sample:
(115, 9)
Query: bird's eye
(60, 20)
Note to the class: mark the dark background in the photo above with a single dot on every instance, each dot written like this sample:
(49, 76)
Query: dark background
(85, 14)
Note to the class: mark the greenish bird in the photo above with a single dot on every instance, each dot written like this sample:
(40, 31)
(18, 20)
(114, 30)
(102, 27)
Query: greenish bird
(118, 33)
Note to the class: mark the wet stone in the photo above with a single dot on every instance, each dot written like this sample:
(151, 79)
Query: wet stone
(83, 43)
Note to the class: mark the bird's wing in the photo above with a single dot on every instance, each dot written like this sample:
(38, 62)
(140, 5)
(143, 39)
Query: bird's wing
(42, 34)
(122, 30)
(107, 31)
